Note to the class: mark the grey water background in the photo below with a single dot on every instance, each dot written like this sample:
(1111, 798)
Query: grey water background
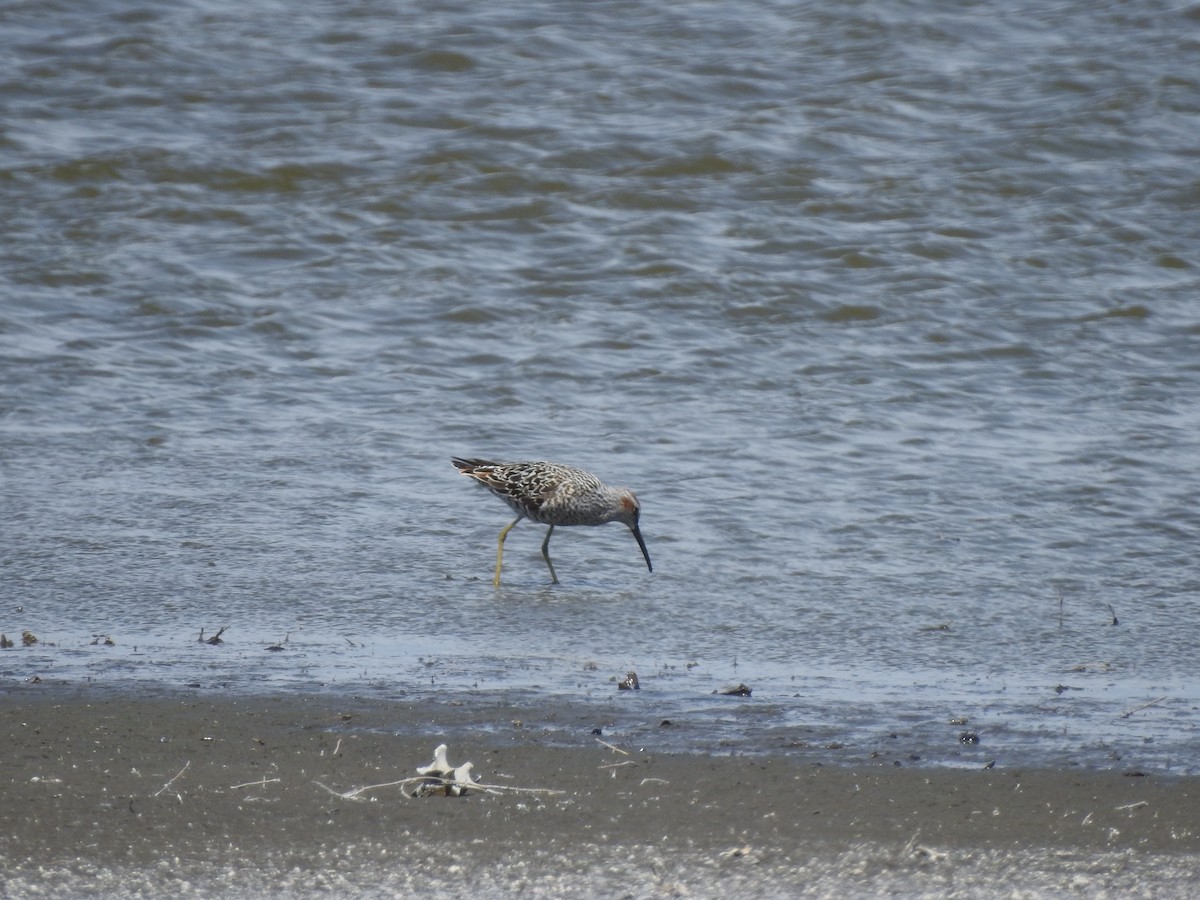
(887, 311)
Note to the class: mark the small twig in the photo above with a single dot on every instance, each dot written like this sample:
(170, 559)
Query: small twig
(1133, 805)
(628, 762)
(501, 788)
(612, 748)
(262, 782)
(353, 793)
(1127, 714)
(656, 780)
(172, 781)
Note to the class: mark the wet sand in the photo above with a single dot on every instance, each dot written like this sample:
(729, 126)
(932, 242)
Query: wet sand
(205, 795)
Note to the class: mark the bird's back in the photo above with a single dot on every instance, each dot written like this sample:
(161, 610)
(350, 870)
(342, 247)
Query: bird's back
(546, 492)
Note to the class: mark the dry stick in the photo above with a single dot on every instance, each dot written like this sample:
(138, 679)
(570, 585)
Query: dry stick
(262, 782)
(1126, 715)
(353, 793)
(612, 748)
(172, 781)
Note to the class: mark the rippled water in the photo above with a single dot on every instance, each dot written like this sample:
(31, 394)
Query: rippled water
(888, 311)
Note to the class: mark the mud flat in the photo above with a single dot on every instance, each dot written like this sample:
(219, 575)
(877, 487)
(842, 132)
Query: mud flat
(112, 794)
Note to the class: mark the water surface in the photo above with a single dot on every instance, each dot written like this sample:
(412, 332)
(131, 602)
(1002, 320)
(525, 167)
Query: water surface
(886, 311)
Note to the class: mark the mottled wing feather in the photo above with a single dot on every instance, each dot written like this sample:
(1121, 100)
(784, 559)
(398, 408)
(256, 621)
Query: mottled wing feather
(510, 482)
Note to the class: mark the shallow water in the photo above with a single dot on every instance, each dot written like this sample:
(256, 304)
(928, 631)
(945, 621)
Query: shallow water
(887, 312)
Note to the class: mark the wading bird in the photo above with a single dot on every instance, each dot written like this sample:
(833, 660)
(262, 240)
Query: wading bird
(553, 494)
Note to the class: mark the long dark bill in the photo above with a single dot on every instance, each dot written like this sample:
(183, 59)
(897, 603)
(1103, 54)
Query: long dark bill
(637, 533)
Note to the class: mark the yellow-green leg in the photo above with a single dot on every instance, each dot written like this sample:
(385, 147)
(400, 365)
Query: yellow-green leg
(546, 555)
(500, 549)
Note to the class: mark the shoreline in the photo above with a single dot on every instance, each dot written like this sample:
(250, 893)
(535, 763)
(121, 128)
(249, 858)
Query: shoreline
(211, 795)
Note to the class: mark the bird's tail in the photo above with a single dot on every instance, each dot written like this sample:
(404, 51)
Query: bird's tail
(468, 466)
